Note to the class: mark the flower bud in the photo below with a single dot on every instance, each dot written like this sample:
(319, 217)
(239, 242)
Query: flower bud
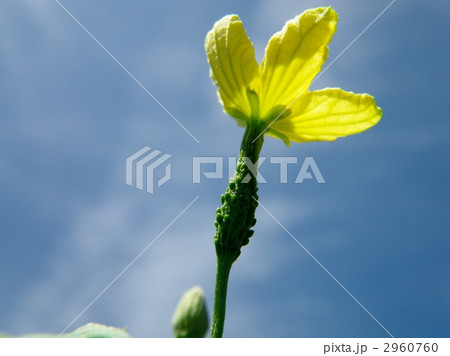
(191, 317)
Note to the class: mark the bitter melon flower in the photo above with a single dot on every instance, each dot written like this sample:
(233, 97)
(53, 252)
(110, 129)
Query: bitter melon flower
(276, 93)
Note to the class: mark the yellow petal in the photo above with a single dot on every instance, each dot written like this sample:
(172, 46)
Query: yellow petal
(233, 65)
(327, 114)
(294, 56)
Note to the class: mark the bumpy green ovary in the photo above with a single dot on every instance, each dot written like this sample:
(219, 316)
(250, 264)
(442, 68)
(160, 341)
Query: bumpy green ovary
(236, 217)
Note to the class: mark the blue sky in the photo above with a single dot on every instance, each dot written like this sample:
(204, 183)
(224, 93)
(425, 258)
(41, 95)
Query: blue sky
(70, 116)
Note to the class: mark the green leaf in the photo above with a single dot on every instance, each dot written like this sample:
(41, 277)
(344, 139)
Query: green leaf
(90, 330)
(97, 330)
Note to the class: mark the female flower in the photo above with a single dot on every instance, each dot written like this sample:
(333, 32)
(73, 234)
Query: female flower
(273, 99)
(275, 94)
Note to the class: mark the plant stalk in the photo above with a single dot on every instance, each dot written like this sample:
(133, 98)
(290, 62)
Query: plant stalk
(235, 219)
(220, 296)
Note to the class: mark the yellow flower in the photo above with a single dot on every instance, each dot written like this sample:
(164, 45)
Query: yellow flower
(276, 92)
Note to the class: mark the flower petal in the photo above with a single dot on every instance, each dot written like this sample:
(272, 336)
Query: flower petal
(233, 65)
(327, 114)
(295, 55)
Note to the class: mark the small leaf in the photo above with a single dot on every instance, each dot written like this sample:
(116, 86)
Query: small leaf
(94, 330)
(91, 330)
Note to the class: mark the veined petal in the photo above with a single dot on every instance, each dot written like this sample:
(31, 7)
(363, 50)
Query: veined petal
(295, 55)
(325, 115)
(233, 65)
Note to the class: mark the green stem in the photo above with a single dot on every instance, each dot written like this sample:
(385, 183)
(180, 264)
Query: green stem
(220, 296)
(235, 219)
